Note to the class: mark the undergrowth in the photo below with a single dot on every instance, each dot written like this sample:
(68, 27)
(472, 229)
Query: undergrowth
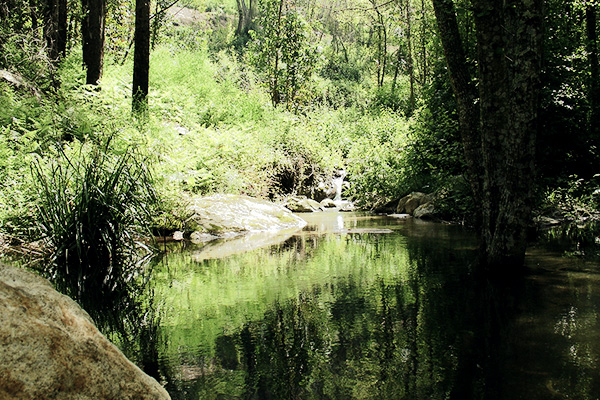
(210, 129)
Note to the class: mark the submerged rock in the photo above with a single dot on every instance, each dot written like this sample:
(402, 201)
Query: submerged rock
(223, 215)
(51, 349)
(240, 244)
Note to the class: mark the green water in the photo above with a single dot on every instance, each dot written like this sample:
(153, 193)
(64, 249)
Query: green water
(364, 307)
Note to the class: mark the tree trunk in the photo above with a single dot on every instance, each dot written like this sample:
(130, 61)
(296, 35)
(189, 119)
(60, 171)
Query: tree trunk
(63, 27)
(381, 46)
(92, 32)
(33, 10)
(411, 69)
(424, 66)
(275, 94)
(594, 81)
(245, 17)
(464, 91)
(141, 56)
(500, 155)
(55, 28)
(509, 39)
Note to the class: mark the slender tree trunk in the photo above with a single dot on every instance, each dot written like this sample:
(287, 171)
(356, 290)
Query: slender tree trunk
(242, 15)
(92, 35)
(245, 16)
(4, 12)
(141, 56)
(381, 46)
(396, 69)
(411, 68)
(62, 27)
(33, 10)
(275, 94)
(55, 28)
(424, 66)
(464, 90)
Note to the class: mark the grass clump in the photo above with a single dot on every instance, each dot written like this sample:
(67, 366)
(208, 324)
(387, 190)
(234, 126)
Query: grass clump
(94, 205)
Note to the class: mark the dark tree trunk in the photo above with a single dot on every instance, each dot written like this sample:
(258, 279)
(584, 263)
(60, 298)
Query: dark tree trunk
(63, 27)
(500, 152)
(275, 94)
(465, 93)
(424, 66)
(381, 46)
(33, 13)
(411, 68)
(594, 82)
(92, 32)
(509, 38)
(141, 56)
(245, 17)
(55, 28)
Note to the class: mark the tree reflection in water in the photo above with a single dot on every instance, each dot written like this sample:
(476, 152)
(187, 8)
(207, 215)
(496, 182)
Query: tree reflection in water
(370, 316)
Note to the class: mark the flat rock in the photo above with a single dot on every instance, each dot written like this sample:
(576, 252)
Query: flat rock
(225, 214)
(399, 216)
(51, 349)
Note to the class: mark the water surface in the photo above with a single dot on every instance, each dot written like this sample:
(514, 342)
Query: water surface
(366, 307)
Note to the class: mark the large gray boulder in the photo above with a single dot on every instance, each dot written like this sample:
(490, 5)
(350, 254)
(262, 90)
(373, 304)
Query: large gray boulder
(51, 349)
(229, 214)
(425, 211)
(408, 204)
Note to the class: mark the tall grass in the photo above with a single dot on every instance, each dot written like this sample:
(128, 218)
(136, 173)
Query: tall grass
(94, 206)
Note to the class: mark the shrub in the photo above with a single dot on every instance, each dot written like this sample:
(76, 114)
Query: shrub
(376, 163)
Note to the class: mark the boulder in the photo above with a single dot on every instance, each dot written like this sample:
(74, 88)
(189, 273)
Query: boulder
(328, 203)
(226, 214)
(408, 204)
(425, 211)
(51, 349)
(302, 204)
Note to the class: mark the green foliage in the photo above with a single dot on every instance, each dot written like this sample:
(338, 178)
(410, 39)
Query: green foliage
(22, 53)
(574, 198)
(119, 23)
(376, 161)
(93, 208)
(281, 50)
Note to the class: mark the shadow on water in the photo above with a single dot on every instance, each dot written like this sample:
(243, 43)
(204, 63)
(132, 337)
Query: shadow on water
(363, 307)
(120, 302)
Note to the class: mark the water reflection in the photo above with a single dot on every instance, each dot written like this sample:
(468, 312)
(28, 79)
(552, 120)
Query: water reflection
(364, 307)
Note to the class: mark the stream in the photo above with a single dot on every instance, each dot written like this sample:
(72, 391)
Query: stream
(357, 306)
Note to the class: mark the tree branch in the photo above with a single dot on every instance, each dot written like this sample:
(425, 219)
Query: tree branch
(374, 8)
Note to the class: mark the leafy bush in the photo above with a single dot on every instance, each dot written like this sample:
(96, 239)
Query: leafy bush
(24, 54)
(376, 163)
(573, 198)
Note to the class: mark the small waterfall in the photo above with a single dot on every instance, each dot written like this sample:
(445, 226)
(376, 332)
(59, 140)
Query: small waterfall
(337, 184)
